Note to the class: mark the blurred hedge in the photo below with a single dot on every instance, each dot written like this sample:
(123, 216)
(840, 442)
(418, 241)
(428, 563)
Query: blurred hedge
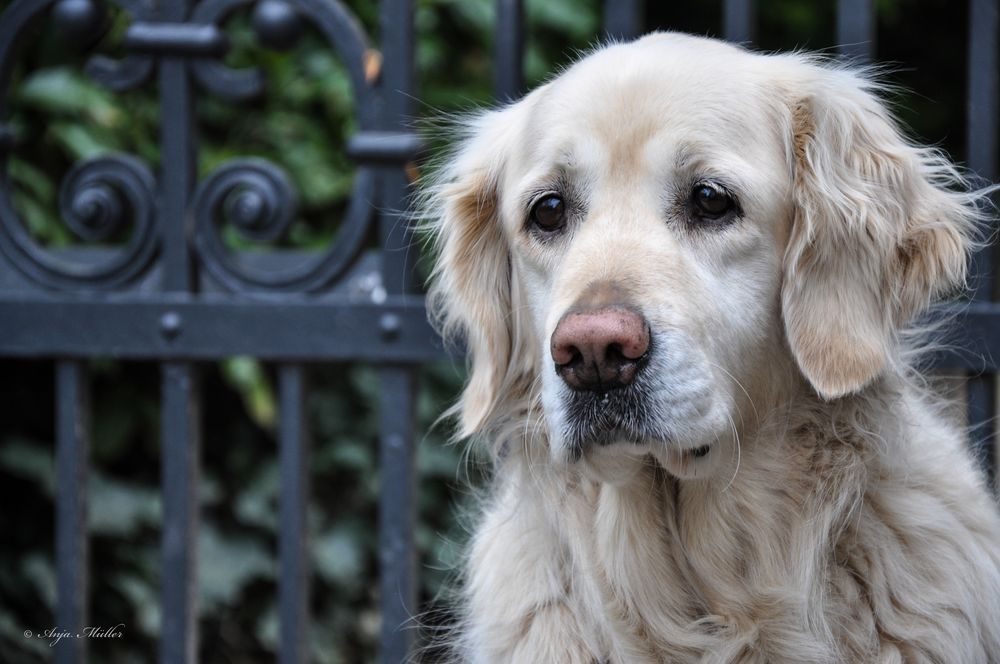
(61, 117)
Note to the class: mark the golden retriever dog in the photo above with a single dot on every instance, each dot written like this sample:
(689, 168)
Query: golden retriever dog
(687, 276)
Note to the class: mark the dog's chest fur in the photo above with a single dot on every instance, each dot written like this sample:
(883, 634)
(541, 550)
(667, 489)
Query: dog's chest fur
(797, 558)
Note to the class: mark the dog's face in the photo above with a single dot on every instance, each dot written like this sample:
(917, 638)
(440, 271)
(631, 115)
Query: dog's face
(675, 233)
(648, 229)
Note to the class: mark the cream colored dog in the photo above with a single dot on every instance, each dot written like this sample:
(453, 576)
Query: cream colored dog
(684, 272)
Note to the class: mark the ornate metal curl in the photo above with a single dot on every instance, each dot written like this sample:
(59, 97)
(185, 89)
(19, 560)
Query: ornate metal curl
(97, 198)
(278, 24)
(134, 69)
(256, 196)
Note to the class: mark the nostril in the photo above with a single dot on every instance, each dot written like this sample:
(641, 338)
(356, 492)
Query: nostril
(565, 354)
(613, 354)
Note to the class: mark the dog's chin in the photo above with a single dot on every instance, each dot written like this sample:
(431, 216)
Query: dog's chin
(614, 463)
(618, 462)
(617, 456)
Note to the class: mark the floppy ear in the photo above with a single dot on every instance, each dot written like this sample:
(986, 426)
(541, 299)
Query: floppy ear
(881, 228)
(473, 295)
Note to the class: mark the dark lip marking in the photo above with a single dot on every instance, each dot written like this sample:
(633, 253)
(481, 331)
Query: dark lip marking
(617, 415)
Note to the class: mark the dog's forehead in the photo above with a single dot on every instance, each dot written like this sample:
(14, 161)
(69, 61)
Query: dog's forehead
(664, 86)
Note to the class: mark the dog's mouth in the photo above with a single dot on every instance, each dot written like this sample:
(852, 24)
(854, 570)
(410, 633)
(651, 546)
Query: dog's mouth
(685, 456)
(605, 418)
(604, 421)
(684, 463)
(699, 452)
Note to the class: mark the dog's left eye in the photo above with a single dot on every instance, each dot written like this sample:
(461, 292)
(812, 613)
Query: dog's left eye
(549, 213)
(710, 201)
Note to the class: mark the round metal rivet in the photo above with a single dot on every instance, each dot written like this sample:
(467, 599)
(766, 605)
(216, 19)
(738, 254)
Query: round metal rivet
(170, 324)
(390, 326)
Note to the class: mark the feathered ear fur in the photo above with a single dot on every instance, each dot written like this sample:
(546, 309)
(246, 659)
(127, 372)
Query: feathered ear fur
(474, 295)
(881, 228)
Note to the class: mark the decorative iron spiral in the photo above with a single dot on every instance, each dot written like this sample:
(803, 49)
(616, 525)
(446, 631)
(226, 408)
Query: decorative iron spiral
(256, 197)
(101, 198)
(97, 198)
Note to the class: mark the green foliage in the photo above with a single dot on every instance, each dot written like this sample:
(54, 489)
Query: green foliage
(61, 117)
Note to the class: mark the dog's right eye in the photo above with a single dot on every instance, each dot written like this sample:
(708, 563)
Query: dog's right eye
(710, 201)
(549, 213)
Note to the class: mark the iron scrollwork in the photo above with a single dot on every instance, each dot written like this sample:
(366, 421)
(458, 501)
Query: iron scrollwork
(101, 197)
(253, 194)
(97, 198)
(257, 198)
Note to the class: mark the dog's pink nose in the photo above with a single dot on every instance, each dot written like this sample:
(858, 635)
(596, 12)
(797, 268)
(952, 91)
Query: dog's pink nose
(600, 350)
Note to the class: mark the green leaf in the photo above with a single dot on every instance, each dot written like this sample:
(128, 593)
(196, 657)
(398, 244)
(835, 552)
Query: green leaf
(118, 508)
(12, 631)
(29, 461)
(65, 91)
(32, 179)
(576, 20)
(144, 597)
(42, 222)
(227, 564)
(339, 555)
(439, 461)
(256, 504)
(39, 570)
(78, 141)
(246, 375)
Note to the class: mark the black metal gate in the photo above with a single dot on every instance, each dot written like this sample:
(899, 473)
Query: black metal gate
(175, 294)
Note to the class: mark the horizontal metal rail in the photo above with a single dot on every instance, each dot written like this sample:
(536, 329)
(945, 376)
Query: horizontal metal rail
(180, 326)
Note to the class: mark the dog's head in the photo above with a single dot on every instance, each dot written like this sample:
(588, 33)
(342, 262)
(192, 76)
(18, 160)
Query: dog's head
(676, 232)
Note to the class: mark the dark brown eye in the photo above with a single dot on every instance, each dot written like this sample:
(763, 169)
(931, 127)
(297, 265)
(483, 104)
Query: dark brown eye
(710, 201)
(549, 213)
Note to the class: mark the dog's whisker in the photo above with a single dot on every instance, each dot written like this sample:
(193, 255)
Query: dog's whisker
(737, 449)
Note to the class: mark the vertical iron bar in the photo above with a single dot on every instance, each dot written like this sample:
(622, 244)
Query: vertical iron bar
(739, 22)
(623, 18)
(981, 141)
(181, 445)
(293, 582)
(981, 407)
(981, 146)
(72, 448)
(397, 512)
(180, 474)
(178, 164)
(396, 506)
(396, 113)
(508, 78)
(856, 29)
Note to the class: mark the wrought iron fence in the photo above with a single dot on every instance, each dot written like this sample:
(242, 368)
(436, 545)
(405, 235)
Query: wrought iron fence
(177, 294)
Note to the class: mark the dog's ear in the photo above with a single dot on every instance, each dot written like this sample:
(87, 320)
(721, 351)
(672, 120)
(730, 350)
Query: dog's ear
(881, 228)
(472, 294)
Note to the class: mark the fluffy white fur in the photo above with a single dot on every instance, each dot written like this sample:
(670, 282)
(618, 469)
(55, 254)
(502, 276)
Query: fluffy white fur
(837, 516)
